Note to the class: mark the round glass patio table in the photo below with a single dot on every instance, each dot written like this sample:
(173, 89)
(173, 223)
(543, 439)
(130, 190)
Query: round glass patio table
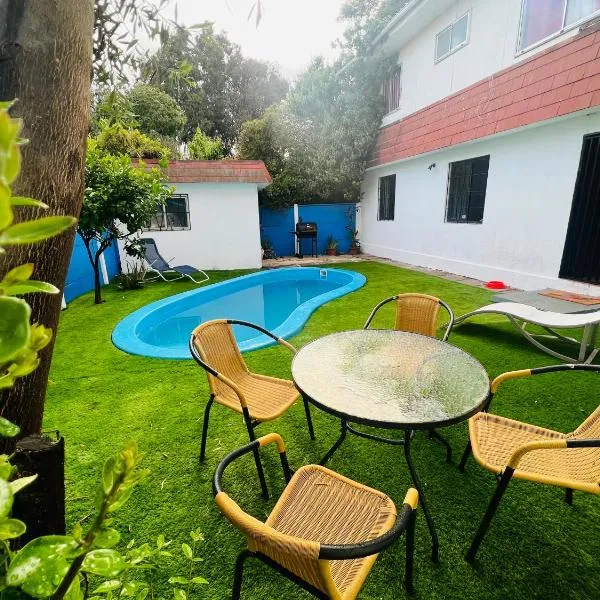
(392, 380)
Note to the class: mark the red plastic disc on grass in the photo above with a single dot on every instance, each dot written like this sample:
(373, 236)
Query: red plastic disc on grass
(496, 285)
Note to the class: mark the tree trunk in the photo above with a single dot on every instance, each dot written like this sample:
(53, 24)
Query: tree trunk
(97, 284)
(46, 62)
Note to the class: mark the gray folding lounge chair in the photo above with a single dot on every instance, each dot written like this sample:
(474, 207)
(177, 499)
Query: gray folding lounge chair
(158, 265)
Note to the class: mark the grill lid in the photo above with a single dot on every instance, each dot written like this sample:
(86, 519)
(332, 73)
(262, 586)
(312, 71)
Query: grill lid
(306, 227)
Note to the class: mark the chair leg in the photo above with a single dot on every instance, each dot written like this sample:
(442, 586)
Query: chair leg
(569, 496)
(311, 430)
(465, 457)
(410, 553)
(239, 574)
(489, 513)
(256, 453)
(205, 427)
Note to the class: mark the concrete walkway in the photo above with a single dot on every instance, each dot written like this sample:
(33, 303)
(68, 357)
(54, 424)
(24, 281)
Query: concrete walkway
(292, 261)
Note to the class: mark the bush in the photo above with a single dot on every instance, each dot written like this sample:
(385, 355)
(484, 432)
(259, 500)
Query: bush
(133, 278)
(155, 110)
(203, 147)
(117, 140)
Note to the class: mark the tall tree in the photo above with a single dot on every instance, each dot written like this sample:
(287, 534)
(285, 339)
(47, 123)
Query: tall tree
(155, 111)
(46, 57)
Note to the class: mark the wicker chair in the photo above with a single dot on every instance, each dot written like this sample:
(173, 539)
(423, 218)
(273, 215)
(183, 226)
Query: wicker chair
(510, 449)
(257, 398)
(325, 531)
(418, 313)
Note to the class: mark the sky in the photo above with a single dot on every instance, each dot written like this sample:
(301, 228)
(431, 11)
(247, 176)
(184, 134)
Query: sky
(290, 33)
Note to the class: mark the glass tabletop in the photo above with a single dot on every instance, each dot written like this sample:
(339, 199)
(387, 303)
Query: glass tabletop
(391, 378)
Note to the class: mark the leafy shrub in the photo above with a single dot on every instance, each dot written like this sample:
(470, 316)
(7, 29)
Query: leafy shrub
(203, 147)
(156, 111)
(119, 140)
(133, 278)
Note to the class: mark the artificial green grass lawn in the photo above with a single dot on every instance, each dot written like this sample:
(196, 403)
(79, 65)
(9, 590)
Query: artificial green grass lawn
(99, 398)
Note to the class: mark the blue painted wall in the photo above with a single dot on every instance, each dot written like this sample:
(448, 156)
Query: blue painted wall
(275, 226)
(336, 220)
(80, 276)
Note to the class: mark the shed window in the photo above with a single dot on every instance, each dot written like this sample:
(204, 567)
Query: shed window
(392, 91)
(174, 215)
(452, 38)
(387, 198)
(541, 19)
(467, 185)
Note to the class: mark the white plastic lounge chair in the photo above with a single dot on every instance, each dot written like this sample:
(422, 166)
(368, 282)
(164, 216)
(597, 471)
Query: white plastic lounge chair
(158, 265)
(522, 314)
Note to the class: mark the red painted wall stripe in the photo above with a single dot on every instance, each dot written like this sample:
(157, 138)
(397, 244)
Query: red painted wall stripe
(559, 81)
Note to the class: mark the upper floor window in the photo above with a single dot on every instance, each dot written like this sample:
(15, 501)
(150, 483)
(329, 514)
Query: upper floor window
(173, 215)
(541, 19)
(391, 91)
(452, 38)
(467, 186)
(387, 198)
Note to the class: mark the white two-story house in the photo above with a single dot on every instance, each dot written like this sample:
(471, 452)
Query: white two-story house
(488, 161)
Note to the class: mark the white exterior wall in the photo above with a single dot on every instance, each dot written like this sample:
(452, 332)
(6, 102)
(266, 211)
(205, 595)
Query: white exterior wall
(225, 231)
(530, 188)
(493, 41)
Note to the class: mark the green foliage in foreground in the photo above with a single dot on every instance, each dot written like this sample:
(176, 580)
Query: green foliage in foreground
(99, 397)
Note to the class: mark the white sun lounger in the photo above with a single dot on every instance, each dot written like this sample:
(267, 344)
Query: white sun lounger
(522, 314)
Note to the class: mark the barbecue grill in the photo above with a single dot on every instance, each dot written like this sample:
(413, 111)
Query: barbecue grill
(306, 231)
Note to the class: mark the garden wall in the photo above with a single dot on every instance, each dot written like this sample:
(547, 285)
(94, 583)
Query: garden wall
(80, 276)
(336, 220)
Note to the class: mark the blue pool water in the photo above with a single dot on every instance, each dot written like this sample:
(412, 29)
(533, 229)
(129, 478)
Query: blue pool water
(280, 300)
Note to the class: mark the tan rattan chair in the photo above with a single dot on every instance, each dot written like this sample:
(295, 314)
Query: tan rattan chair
(416, 313)
(510, 449)
(257, 398)
(325, 531)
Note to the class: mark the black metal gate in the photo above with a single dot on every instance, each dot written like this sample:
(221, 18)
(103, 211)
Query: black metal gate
(581, 256)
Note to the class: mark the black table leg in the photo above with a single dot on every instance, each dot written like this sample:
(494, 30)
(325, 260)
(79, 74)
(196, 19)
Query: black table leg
(434, 538)
(338, 443)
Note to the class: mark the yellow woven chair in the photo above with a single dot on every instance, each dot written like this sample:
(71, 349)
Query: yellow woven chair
(418, 313)
(325, 531)
(510, 449)
(257, 398)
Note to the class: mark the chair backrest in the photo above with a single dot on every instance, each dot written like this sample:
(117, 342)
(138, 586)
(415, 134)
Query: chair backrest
(588, 459)
(152, 255)
(417, 313)
(590, 428)
(216, 345)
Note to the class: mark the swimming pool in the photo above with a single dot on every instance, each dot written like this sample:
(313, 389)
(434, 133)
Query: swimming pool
(280, 300)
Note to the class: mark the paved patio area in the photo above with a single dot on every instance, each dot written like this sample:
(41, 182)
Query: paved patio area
(292, 261)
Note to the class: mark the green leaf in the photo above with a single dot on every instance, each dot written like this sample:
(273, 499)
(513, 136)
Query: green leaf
(6, 498)
(121, 498)
(19, 274)
(17, 289)
(35, 231)
(40, 565)
(15, 329)
(105, 562)
(12, 164)
(11, 528)
(199, 580)
(108, 474)
(142, 594)
(160, 541)
(8, 429)
(108, 586)
(74, 592)
(18, 484)
(187, 551)
(179, 594)
(107, 538)
(6, 213)
(23, 201)
(178, 580)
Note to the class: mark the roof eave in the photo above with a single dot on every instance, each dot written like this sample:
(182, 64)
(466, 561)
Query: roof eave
(400, 16)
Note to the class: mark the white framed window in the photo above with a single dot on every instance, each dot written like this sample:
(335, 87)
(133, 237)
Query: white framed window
(174, 215)
(543, 19)
(454, 37)
(392, 90)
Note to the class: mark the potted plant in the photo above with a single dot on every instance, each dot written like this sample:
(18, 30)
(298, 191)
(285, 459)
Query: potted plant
(354, 242)
(332, 246)
(267, 249)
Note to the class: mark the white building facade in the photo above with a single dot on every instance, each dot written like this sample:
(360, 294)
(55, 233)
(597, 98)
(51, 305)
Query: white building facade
(488, 162)
(211, 221)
